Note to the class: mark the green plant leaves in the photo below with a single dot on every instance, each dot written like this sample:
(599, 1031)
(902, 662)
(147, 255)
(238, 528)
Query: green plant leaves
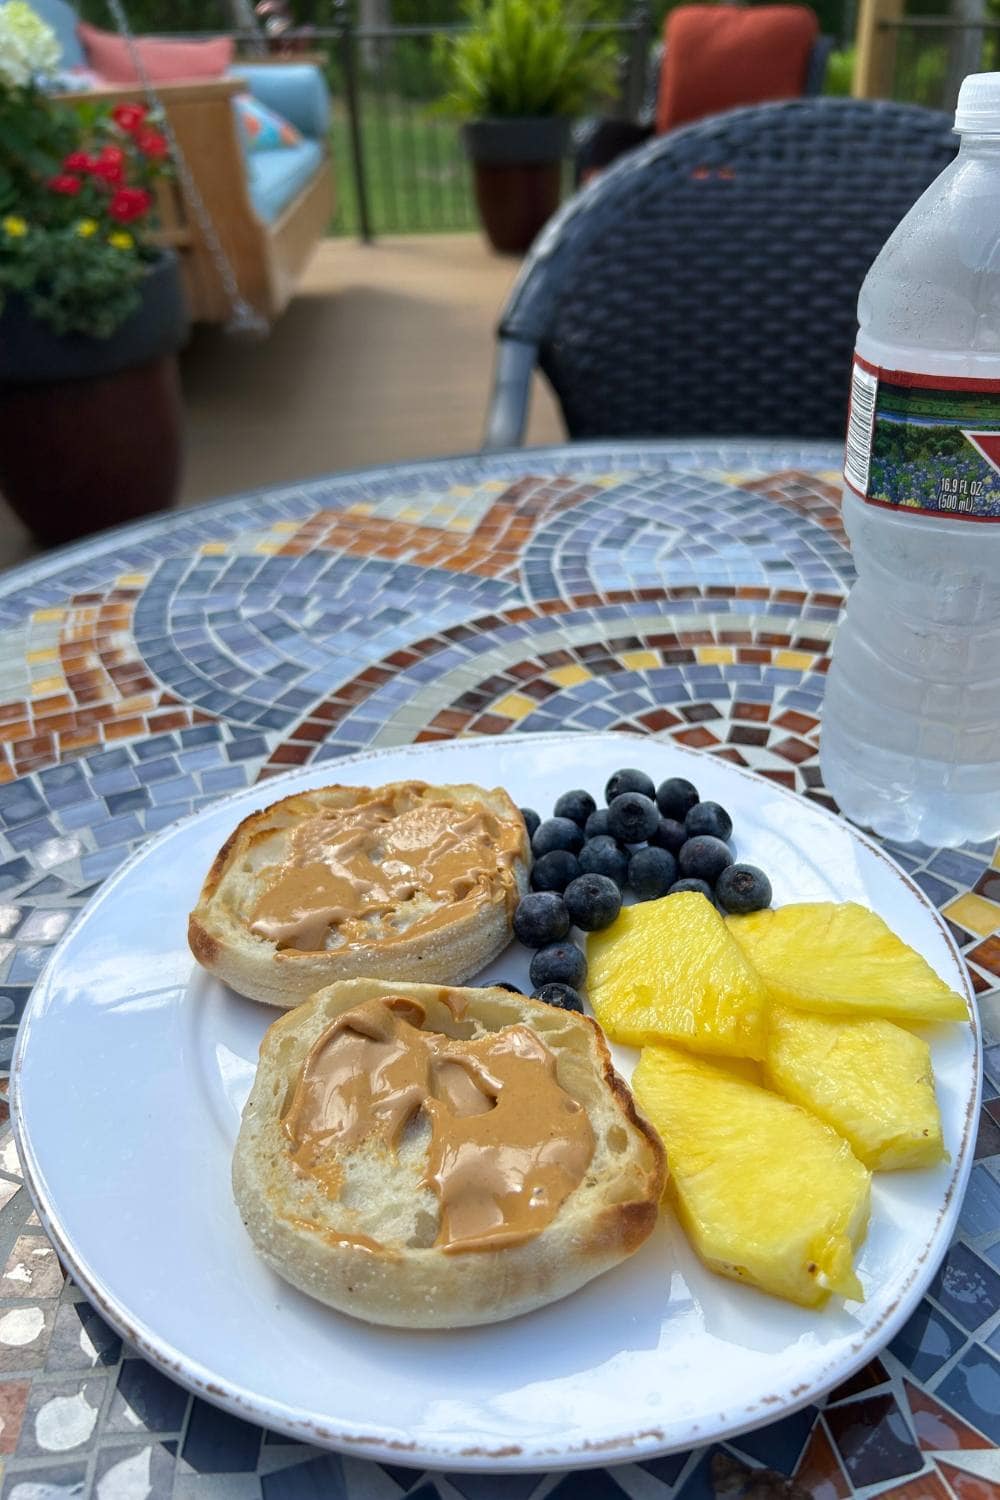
(526, 58)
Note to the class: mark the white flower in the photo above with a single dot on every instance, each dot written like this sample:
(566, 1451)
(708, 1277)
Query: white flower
(28, 47)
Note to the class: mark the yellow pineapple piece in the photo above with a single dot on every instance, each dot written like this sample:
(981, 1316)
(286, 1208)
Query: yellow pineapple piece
(668, 970)
(872, 1081)
(767, 1194)
(841, 959)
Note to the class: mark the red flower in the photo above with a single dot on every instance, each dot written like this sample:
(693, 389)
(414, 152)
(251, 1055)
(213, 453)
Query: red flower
(110, 165)
(151, 143)
(79, 161)
(129, 116)
(129, 203)
(66, 183)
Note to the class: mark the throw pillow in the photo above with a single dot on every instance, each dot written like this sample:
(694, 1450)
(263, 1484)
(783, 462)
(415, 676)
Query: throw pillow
(263, 129)
(165, 60)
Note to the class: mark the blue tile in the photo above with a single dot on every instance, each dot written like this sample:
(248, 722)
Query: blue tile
(587, 1484)
(981, 1206)
(81, 1340)
(318, 1479)
(248, 749)
(109, 783)
(14, 873)
(115, 1470)
(20, 802)
(130, 801)
(24, 838)
(146, 1399)
(966, 1287)
(927, 1341)
(954, 865)
(217, 1443)
(666, 1469)
(224, 779)
(157, 770)
(13, 998)
(160, 744)
(201, 734)
(972, 1388)
(118, 831)
(935, 889)
(779, 1445)
(162, 817)
(518, 1486)
(103, 862)
(109, 760)
(51, 1482)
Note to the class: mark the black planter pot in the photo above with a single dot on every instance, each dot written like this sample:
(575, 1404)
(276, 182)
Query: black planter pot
(90, 429)
(517, 167)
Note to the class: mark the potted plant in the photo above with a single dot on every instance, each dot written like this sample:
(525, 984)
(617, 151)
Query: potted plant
(520, 75)
(91, 314)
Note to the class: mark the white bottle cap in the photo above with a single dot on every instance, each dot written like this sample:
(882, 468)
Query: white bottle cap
(978, 109)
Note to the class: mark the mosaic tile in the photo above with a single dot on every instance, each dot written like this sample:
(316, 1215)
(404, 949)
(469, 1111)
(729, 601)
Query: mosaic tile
(873, 1440)
(690, 593)
(966, 1486)
(972, 1388)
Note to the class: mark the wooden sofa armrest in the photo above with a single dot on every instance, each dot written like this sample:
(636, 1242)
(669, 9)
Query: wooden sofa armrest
(201, 90)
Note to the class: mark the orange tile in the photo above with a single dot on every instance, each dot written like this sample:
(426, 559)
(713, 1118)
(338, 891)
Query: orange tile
(13, 1400)
(819, 1472)
(120, 729)
(17, 731)
(967, 1486)
(936, 1427)
(80, 739)
(7, 773)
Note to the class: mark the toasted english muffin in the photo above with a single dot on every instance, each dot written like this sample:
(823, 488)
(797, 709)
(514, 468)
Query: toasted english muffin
(404, 881)
(430, 1157)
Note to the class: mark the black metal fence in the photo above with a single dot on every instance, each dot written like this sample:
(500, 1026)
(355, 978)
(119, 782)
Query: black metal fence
(398, 159)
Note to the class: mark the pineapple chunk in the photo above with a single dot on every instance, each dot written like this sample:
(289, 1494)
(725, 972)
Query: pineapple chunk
(768, 1194)
(843, 960)
(872, 1081)
(668, 970)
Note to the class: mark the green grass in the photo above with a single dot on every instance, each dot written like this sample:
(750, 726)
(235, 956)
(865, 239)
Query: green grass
(416, 172)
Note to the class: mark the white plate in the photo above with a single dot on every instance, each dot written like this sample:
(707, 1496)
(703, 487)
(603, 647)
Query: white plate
(131, 1070)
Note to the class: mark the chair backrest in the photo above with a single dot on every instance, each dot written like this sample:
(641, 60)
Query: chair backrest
(719, 57)
(62, 18)
(707, 283)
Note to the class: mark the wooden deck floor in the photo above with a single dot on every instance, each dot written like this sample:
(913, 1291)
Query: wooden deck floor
(386, 353)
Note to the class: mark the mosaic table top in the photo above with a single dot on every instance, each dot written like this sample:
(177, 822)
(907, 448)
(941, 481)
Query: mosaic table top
(689, 592)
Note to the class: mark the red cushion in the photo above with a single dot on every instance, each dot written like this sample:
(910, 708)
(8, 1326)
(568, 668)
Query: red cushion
(165, 60)
(721, 56)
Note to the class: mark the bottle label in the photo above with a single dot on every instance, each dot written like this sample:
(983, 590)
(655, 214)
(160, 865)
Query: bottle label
(929, 444)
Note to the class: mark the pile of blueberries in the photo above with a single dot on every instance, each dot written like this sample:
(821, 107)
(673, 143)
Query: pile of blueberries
(651, 840)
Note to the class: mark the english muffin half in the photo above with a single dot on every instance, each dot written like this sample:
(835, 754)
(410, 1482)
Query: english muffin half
(431, 1157)
(404, 881)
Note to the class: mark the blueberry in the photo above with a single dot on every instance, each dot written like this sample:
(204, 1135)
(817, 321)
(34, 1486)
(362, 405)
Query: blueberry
(553, 872)
(501, 984)
(670, 835)
(531, 820)
(704, 858)
(743, 888)
(651, 872)
(698, 886)
(632, 818)
(576, 805)
(708, 817)
(541, 918)
(559, 963)
(593, 902)
(564, 996)
(597, 824)
(628, 781)
(675, 797)
(557, 833)
(602, 856)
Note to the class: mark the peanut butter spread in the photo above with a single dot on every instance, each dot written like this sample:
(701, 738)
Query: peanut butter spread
(507, 1145)
(398, 851)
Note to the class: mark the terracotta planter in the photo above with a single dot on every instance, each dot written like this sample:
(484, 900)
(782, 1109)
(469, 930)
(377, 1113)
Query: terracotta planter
(517, 169)
(90, 429)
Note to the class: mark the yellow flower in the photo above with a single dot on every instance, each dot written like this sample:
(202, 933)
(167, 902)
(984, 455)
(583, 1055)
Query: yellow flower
(15, 226)
(86, 227)
(121, 240)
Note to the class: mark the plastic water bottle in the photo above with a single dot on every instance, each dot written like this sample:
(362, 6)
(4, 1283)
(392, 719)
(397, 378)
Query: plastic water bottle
(911, 724)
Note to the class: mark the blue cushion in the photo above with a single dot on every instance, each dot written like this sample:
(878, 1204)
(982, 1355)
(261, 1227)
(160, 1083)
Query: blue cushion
(296, 90)
(276, 177)
(62, 18)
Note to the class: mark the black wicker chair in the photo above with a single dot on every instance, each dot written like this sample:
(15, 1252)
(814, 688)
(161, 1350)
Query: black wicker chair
(707, 283)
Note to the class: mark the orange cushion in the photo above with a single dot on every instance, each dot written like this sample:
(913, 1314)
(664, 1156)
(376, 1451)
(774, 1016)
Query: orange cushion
(165, 60)
(721, 56)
